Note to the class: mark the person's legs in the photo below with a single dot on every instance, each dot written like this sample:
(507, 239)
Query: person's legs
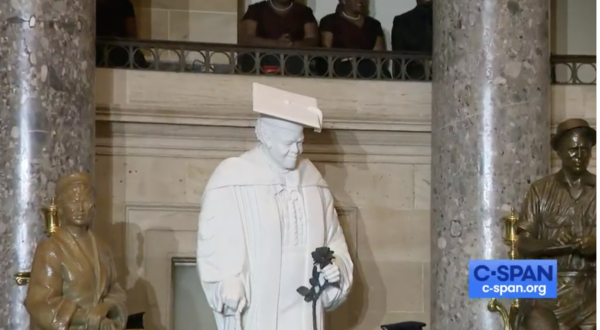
(342, 69)
(294, 65)
(246, 63)
(367, 69)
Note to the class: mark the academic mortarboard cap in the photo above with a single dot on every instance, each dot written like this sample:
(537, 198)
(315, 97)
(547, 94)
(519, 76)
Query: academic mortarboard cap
(409, 325)
(135, 321)
(280, 104)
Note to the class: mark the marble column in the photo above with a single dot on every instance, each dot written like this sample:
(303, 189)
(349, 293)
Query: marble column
(46, 125)
(490, 139)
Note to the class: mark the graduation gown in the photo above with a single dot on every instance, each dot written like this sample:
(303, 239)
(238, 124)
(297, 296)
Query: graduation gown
(240, 237)
(64, 280)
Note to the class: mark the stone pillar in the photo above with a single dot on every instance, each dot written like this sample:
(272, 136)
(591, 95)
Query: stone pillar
(490, 139)
(47, 63)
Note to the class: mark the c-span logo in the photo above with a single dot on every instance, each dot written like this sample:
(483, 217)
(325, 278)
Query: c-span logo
(512, 279)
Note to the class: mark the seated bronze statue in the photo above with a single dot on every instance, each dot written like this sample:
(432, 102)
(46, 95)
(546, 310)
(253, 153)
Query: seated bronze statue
(73, 281)
(558, 221)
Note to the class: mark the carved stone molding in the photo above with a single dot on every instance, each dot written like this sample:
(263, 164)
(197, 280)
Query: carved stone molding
(210, 142)
(226, 100)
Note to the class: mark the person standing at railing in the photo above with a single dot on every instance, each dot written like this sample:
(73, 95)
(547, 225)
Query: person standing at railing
(278, 24)
(350, 28)
(116, 19)
(413, 32)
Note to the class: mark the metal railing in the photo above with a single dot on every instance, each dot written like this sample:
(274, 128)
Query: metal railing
(573, 69)
(177, 56)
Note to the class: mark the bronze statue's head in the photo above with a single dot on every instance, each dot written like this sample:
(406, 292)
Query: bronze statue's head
(573, 142)
(75, 199)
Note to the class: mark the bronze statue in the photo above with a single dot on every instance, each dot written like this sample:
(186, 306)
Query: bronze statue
(73, 281)
(558, 220)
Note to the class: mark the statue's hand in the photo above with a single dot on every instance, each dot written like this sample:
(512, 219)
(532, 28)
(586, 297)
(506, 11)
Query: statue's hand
(331, 273)
(96, 315)
(565, 238)
(586, 245)
(108, 324)
(233, 296)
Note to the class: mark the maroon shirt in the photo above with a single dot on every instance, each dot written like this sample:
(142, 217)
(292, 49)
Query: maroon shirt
(347, 35)
(272, 25)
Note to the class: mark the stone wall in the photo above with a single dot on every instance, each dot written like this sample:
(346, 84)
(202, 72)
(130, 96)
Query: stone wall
(188, 20)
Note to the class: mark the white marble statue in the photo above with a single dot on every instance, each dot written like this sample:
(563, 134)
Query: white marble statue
(262, 214)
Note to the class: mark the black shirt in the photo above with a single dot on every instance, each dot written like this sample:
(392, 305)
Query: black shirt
(271, 25)
(111, 17)
(413, 30)
(347, 35)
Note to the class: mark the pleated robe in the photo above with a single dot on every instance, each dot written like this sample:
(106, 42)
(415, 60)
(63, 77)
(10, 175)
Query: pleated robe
(240, 237)
(64, 280)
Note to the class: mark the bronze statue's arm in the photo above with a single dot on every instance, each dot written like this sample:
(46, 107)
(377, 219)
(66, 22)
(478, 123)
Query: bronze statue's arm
(592, 247)
(530, 247)
(45, 301)
(116, 297)
(80, 318)
(586, 246)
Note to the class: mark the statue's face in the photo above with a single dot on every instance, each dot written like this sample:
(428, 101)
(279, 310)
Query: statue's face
(284, 145)
(77, 205)
(575, 151)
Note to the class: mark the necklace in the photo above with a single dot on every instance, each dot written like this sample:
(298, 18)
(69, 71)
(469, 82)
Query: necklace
(350, 17)
(280, 9)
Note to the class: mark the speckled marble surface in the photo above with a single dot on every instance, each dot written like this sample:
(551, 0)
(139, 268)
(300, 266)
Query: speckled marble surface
(490, 139)
(46, 124)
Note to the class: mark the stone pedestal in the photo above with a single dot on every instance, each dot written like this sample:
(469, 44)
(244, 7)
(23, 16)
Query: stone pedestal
(46, 125)
(490, 139)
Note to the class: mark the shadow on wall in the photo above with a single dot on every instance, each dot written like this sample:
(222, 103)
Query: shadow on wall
(140, 294)
(366, 304)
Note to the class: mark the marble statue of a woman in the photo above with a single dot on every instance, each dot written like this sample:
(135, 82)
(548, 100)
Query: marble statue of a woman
(262, 214)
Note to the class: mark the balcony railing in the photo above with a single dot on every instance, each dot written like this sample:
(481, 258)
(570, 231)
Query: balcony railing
(175, 56)
(573, 69)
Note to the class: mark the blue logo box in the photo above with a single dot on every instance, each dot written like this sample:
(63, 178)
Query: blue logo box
(512, 279)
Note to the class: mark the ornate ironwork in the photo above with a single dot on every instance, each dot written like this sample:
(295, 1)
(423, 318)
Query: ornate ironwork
(177, 56)
(236, 59)
(573, 69)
